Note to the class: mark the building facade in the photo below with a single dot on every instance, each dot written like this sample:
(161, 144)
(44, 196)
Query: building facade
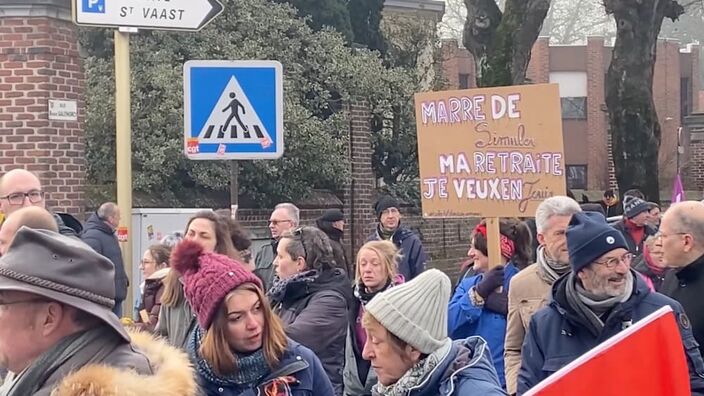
(580, 70)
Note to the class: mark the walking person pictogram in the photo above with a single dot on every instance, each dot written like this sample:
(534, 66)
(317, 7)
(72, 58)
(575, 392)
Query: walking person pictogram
(234, 108)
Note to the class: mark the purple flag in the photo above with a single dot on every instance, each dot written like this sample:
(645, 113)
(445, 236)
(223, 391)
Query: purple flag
(677, 190)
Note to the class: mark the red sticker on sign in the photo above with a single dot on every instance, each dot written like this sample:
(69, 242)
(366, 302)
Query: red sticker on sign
(192, 146)
(122, 234)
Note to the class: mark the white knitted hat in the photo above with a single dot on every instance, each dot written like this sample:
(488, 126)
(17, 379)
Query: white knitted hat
(416, 311)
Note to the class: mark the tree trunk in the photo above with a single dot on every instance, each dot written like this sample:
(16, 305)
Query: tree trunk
(502, 42)
(633, 121)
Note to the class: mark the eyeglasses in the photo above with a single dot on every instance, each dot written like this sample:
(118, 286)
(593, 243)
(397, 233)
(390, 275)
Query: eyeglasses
(662, 235)
(298, 233)
(143, 262)
(34, 196)
(277, 222)
(614, 261)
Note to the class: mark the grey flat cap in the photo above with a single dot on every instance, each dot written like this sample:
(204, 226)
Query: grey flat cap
(62, 269)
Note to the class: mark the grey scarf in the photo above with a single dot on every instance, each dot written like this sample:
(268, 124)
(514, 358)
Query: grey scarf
(416, 375)
(94, 345)
(549, 269)
(590, 306)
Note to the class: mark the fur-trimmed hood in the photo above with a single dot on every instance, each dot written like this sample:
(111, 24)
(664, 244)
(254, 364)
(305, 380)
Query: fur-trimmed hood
(173, 374)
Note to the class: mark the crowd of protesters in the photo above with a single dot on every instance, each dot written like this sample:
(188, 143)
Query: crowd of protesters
(304, 317)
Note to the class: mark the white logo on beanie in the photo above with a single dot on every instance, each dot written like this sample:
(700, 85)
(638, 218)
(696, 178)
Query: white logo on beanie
(610, 240)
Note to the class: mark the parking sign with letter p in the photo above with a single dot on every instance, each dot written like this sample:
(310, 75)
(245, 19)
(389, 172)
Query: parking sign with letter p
(95, 6)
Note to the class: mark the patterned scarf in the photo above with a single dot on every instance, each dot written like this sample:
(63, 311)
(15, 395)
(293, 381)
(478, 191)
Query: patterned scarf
(278, 288)
(250, 368)
(550, 269)
(415, 376)
(361, 293)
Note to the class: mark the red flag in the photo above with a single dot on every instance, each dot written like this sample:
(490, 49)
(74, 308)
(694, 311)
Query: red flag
(645, 359)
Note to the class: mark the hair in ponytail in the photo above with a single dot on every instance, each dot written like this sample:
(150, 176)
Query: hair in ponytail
(518, 232)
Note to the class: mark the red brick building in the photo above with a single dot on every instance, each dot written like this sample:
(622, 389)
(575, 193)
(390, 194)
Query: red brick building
(41, 98)
(581, 71)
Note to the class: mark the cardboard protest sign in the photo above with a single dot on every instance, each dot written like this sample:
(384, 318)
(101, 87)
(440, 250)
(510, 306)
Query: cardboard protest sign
(489, 152)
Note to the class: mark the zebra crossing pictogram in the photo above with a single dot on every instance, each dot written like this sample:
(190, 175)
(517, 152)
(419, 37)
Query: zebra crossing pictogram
(233, 119)
(233, 110)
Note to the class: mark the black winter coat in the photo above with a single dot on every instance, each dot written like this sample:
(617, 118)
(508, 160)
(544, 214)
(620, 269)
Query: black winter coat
(315, 314)
(686, 286)
(612, 211)
(98, 235)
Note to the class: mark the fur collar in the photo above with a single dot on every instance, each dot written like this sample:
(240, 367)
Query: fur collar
(173, 374)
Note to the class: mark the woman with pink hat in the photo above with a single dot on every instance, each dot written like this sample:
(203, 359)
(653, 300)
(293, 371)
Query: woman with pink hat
(239, 346)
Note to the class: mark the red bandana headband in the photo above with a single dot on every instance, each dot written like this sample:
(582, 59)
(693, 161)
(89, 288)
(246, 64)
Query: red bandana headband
(507, 245)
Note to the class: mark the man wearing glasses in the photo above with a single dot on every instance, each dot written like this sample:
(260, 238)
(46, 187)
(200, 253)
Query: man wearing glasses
(285, 217)
(390, 229)
(682, 238)
(19, 189)
(599, 298)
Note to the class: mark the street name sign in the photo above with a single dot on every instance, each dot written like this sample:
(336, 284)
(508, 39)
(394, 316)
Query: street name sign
(188, 15)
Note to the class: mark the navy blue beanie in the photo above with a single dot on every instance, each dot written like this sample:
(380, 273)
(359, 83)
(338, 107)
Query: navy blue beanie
(384, 203)
(589, 237)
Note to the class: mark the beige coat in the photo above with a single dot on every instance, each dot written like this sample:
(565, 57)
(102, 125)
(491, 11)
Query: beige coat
(527, 293)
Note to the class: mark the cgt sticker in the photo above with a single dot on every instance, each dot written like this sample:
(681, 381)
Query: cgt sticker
(122, 234)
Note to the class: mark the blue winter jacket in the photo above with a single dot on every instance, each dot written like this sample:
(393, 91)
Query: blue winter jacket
(414, 257)
(466, 370)
(557, 335)
(465, 319)
(297, 361)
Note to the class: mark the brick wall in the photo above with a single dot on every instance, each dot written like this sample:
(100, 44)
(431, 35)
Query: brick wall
(538, 71)
(697, 93)
(695, 137)
(360, 192)
(39, 61)
(666, 93)
(599, 167)
(456, 61)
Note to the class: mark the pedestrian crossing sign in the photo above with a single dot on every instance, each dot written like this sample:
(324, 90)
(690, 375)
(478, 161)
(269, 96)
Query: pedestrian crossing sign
(233, 110)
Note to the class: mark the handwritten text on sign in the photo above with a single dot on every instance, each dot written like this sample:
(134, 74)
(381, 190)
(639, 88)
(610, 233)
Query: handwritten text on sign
(489, 152)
